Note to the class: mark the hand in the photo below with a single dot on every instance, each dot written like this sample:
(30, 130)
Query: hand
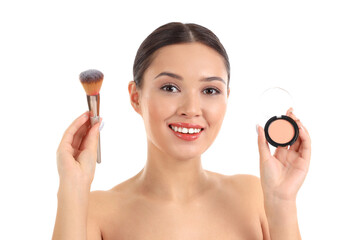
(283, 173)
(77, 152)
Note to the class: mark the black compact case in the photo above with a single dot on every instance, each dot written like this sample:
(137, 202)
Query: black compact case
(286, 118)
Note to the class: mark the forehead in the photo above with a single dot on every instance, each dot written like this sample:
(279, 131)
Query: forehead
(188, 59)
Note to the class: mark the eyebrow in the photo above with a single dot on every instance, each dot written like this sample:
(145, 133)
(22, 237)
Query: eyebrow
(173, 75)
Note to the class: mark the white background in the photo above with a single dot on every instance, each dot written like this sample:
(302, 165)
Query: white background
(310, 48)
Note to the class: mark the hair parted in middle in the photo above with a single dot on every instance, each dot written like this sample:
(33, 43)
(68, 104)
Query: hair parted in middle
(175, 33)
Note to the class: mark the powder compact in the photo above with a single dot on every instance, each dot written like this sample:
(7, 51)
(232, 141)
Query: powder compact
(280, 130)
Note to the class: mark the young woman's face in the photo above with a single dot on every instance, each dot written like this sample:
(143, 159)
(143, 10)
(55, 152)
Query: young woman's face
(183, 99)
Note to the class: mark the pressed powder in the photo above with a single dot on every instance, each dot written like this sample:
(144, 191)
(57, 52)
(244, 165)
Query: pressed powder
(281, 131)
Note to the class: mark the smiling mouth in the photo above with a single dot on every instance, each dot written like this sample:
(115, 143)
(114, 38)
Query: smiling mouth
(185, 130)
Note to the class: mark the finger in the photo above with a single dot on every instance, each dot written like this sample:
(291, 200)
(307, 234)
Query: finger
(90, 142)
(281, 153)
(88, 154)
(291, 114)
(295, 147)
(305, 147)
(68, 135)
(80, 147)
(264, 150)
(297, 143)
(290, 110)
(302, 126)
(80, 134)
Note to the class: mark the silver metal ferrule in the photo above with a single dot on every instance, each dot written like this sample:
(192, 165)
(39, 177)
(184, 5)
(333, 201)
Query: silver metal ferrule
(94, 108)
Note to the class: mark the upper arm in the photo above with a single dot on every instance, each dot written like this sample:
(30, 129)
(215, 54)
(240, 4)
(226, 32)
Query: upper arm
(93, 228)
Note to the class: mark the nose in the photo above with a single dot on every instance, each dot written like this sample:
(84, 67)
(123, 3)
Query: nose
(190, 105)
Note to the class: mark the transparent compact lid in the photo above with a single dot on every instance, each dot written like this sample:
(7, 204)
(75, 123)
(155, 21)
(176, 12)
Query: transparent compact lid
(273, 101)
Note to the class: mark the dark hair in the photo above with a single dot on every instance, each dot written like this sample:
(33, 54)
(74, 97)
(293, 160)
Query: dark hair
(174, 33)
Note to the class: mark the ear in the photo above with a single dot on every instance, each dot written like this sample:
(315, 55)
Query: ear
(228, 92)
(134, 96)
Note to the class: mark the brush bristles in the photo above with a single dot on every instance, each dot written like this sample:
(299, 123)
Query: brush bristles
(91, 81)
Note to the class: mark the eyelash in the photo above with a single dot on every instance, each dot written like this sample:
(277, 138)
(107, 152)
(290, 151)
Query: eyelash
(167, 86)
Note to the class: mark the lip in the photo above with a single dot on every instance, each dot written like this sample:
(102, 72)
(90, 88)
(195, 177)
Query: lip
(185, 136)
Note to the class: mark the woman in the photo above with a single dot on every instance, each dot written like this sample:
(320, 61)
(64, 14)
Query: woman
(180, 89)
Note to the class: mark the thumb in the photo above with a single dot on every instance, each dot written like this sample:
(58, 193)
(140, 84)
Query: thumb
(264, 150)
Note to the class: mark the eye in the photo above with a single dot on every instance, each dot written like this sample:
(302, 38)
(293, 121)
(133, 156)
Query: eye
(170, 88)
(211, 91)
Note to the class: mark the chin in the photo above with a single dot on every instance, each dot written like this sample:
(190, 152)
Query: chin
(179, 149)
(185, 157)
(185, 152)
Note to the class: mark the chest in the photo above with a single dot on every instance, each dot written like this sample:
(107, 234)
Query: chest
(211, 220)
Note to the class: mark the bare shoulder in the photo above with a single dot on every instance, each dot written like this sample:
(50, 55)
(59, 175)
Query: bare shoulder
(244, 186)
(103, 202)
(245, 181)
(100, 200)
(99, 203)
(239, 182)
(103, 207)
(247, 184)
(243, 192)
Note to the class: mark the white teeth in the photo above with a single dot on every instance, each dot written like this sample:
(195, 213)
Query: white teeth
(185, 130)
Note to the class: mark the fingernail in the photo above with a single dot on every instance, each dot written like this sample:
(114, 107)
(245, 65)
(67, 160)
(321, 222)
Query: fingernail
(257, 129)
(101, 126)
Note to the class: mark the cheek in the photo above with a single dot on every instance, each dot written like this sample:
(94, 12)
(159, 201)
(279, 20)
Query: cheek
(215, 112)
(158, 109)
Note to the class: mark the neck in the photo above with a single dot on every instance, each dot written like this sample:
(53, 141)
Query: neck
(167, 178)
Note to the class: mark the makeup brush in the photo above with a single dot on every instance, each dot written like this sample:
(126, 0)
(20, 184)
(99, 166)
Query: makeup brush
(92, 80)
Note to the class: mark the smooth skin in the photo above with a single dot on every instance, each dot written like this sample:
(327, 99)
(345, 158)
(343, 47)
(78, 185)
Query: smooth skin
(173, 197)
